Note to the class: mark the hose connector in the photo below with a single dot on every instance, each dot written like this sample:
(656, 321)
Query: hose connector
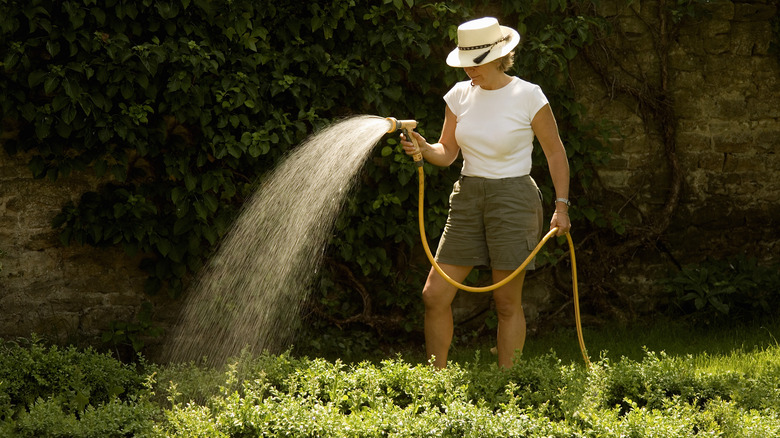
(406, 126)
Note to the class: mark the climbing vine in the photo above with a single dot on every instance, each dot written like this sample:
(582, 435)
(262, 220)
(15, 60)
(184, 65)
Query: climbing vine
(774, 45)
(181, 106)
(642, 76)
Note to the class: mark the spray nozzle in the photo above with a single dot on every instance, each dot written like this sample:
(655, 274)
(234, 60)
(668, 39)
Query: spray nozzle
(406, 126)
(396, 124)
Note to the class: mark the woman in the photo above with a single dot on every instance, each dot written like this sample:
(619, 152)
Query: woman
(495, 216)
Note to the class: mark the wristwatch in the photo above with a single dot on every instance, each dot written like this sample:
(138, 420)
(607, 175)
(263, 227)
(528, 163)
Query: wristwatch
(564, 200)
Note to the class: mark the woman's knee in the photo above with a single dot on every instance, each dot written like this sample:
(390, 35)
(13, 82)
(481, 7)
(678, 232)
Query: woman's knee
(436, 296)
(438, 292)
(508, 305)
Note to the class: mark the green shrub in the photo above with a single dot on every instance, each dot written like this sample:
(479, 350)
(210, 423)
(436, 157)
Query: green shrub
(659, 396)
(53, 391)
(30, 372)
(116, 418)
(738, 289)
(283, 396)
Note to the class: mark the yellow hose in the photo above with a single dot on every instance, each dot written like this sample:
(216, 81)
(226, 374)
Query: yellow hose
(421, 178)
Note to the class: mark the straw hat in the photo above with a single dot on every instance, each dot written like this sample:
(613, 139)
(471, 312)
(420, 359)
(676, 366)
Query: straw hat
(481, 41)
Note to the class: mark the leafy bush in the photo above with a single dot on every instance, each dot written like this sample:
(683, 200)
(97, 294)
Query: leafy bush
(282, 396)
(51, 391)
(739, 289)
(34, 371)
(112, 419)
(658, 396)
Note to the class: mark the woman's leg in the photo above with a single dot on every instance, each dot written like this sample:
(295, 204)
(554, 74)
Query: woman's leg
(438, 294)
(511, 319)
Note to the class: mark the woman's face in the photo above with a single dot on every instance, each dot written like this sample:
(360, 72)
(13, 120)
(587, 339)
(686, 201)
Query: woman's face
(483, 74)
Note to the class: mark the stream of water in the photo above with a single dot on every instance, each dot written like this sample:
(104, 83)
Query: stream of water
(248, 296)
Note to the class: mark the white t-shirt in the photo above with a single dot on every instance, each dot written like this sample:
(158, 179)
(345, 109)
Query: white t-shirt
(494, 127)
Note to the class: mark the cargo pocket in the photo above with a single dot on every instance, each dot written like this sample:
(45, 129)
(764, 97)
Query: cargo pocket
(531, 243)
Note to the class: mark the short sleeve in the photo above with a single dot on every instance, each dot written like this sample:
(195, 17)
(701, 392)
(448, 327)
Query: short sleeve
(537, 100)
(454, 98)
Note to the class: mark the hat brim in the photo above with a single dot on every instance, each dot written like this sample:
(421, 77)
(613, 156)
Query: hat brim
(465, 58)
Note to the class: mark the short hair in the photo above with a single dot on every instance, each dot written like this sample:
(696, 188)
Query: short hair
(507, 61)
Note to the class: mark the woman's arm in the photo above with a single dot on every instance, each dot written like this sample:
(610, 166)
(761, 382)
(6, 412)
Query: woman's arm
(442, 153)
(546, 130)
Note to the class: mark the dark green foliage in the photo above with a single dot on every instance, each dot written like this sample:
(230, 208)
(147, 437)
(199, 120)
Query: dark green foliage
(33, 371)
(51, 391)
(126, 338)
(183, 105)
(737, 290)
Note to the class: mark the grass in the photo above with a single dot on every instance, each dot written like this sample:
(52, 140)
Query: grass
(675, 338)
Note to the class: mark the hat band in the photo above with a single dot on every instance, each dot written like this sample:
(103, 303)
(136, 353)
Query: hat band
(483, 46)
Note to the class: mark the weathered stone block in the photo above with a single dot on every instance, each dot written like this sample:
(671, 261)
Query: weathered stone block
(617, 163)
(693, 141)
(712, 161)
(683, 60)
(731, 106)
(614, 179)
(743, 163)
(730, 136)
(751, 39)
(716, 36)
(754, 12)
(719, 10)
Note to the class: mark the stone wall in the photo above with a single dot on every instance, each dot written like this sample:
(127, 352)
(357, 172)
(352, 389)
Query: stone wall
(725, 85)
(62, 293)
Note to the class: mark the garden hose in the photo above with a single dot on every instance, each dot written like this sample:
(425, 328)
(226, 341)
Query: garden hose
(421, 178)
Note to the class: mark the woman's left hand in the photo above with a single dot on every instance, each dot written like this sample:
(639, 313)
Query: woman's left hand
(561, 220)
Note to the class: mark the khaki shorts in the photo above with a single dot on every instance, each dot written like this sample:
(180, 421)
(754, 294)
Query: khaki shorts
(493, 223)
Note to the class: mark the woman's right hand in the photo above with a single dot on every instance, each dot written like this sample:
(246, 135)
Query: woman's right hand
(409, 146)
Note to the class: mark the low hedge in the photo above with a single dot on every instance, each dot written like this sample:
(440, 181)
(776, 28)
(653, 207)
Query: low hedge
(286, 396)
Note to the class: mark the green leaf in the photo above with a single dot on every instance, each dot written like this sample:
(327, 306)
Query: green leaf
(69, 114)
(99, 15)
(201, 211)
(42, 130)
(50, 84)
(190, 181)
(211, 202)
(53, 47)
(182, 226)
(35, 78)
(164, 246)
(210, 235)
(59, 102)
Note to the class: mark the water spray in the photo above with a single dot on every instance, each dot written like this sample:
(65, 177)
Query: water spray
(408, 125)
